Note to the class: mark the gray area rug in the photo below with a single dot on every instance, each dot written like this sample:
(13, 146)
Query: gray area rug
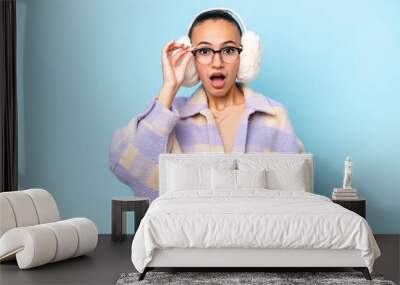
(225, 278)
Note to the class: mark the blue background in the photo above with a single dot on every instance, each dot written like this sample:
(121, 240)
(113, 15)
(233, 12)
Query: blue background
(85, 68)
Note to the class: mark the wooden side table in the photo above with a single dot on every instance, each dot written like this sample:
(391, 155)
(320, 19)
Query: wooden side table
(358, 206)
(121, 205)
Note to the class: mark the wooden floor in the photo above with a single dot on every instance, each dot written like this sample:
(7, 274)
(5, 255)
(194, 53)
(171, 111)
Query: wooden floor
(111, 259)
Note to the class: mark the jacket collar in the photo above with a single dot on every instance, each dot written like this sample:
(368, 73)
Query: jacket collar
(198, 102)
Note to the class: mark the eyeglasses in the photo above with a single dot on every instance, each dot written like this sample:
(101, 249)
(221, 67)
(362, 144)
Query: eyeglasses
(206, 55)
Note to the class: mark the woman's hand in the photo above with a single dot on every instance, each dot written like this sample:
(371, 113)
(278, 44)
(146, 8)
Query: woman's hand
(173, 66)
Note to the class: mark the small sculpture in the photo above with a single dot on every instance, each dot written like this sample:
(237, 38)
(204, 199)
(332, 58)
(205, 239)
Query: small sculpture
(347, 173)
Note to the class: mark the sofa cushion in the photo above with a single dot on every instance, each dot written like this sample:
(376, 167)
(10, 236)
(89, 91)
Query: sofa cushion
(40, 244)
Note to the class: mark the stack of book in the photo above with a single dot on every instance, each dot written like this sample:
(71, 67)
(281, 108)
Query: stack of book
(344, 194)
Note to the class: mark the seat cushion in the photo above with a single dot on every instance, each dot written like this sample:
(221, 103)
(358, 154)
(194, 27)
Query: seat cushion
(45, 243)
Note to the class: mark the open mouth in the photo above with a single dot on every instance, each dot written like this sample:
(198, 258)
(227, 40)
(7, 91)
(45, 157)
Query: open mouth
(218, 80)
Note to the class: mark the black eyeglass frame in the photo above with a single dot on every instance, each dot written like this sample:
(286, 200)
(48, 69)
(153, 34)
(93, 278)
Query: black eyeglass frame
(239, 49)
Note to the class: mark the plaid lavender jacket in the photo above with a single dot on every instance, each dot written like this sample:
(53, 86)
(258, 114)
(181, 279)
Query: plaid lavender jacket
(188, 127)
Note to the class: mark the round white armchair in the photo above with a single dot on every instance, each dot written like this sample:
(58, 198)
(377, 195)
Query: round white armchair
(31, 231)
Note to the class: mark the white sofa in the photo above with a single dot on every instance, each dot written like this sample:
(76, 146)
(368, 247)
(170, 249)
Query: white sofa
(31, 231)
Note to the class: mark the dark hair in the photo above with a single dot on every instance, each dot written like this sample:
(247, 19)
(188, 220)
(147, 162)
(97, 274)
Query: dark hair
(214, 15)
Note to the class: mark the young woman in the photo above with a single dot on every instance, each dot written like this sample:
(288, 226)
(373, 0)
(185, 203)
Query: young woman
(222, 115)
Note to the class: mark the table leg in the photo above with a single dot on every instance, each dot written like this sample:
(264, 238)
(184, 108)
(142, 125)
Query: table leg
(118, 222)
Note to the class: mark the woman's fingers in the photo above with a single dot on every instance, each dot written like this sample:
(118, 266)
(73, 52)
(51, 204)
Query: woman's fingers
(186, 59)
(175, 57)
(175, 46)
(169, 48)
(164, 52)
(178, 55)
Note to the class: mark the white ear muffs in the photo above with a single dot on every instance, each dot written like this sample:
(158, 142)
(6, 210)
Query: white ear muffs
(250, 57)
(191, 78)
